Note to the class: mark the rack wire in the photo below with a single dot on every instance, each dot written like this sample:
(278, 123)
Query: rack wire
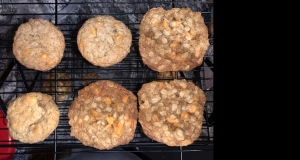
(68, 16)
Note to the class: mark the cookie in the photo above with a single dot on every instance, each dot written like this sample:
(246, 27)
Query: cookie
(104, 40)
(171, 112)
(104, 115)
(89, 78)
(38, 44)
(32, 117)
(64, 86)
(173, 40)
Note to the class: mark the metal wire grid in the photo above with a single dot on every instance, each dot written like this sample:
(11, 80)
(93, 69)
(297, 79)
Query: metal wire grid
(130, 73)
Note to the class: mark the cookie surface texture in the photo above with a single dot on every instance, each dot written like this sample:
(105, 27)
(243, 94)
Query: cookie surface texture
(104, 40)
(64, 86)
(173, 40)
(171, 112)
(32, 117)
(38, 44)
(104, 115)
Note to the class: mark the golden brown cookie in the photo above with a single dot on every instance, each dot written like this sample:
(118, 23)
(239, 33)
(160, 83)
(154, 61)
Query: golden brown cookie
(38, 44)
(90, 78)
(64, 86)
(104, 40)
(32, 117)
(104, 115)
(173, 40)
(171, 112)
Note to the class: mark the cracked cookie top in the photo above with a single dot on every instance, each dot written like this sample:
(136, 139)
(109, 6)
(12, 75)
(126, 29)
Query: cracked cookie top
(32, 117)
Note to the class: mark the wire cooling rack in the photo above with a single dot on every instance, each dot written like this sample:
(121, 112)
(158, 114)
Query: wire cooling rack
(68, 16)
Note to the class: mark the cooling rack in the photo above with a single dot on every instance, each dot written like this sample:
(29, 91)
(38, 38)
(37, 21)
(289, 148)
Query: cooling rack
(68, 16)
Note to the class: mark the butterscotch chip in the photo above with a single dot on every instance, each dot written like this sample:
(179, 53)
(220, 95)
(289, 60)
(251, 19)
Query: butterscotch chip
(38, 44)
(32, 117)
(171, 112)
(90, 78)
(104, 40)
(63, 89)
(104, 115)
(173, 40)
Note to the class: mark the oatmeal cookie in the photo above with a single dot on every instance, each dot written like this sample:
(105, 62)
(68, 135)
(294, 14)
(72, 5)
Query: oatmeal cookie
(104, 40)
(173, 40)
(32, 117)
(104, 115)
(90, 78)
(38, 44)
(171, 112)
(64, 86)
